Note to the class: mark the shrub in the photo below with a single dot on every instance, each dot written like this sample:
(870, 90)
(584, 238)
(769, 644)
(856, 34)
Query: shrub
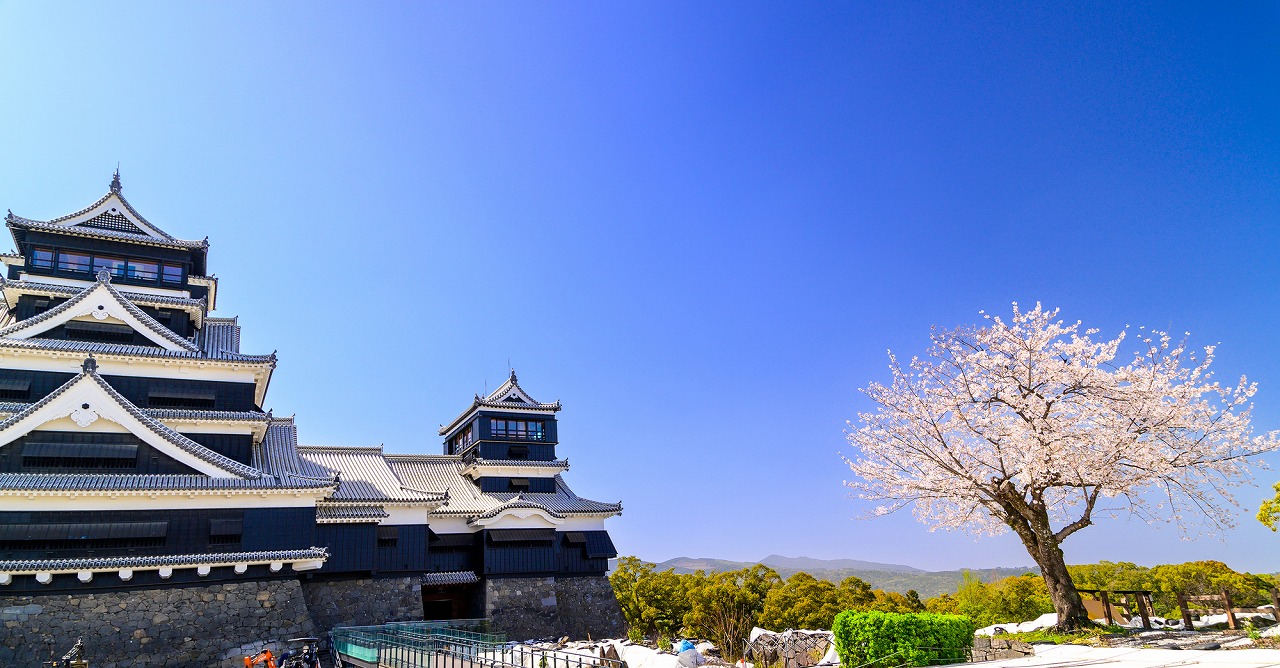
(915, 639)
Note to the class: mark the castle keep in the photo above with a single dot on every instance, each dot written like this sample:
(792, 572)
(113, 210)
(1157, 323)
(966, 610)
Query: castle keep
(136, 457)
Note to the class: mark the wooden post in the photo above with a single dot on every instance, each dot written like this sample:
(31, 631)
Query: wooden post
(1231, 614)
(1139, 599)
(1106, 608)
(1186, 614)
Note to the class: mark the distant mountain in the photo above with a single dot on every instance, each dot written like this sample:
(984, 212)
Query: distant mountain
(808, 564)
(889, 577)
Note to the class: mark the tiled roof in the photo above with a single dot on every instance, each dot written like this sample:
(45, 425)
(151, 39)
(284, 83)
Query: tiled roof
(88, 347)
(105, 225)
(205, 416)
(112, 563)
(330, 514)
(84, 482)
(515, 503)
(465, 498)
(450, 578)
(104, 282)
(219, 336)
(508, 396)
(159, 301)
(363, 474)
(560, 464)
(20, 223)
(277, 455)
(10, 407)
(555, 465)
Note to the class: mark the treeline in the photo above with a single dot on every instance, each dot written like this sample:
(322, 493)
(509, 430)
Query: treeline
(1024, 597)
(723, 607)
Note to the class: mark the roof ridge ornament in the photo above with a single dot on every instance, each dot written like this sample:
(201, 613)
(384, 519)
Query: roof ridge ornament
(104, 275)
(90, 364)
(115, 182)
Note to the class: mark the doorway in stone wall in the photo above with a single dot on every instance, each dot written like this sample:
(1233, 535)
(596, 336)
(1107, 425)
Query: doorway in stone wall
(449, 602)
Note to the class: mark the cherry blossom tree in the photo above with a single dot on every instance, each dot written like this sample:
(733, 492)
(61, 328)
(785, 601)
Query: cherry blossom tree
(1035, 426)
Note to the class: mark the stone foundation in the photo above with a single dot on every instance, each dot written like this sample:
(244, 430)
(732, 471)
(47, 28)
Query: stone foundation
(578, 607)
(362, 602)
(213, 625)
(217, 625)
(996, 648)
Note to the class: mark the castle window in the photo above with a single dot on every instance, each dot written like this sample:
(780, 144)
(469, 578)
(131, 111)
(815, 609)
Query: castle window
(518, 452)
(225, 532)
(143, 271)
(79, 456)
(113, 265)
(460, 441)
(105, 332)
(42, 257)
(521, 535)
(172, 273)
(524, 430)
(518, 484)
(82, 536)
(76, 262)
(165, 397)
(15, 389)
(388, 536)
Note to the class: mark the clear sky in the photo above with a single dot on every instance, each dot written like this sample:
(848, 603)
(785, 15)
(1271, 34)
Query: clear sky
(699, 225)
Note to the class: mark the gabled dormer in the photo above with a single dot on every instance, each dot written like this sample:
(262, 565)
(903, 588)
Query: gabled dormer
(506, 425)
(109, 235)
(99, 313)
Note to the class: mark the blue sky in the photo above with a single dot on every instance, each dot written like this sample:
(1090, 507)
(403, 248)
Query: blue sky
(700, 226)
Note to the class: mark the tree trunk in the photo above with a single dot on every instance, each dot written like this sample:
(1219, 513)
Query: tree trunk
(1062, 591)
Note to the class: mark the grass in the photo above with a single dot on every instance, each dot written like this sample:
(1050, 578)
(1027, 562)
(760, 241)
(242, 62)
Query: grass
(1090, 636)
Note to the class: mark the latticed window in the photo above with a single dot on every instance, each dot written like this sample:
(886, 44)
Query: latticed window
(80, 457)
(82, 536)
(225, 532)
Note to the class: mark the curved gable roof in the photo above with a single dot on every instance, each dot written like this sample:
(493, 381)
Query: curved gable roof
(100, 301)
(87, 398)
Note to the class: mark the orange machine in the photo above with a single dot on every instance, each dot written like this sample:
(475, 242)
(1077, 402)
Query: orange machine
(264, 658)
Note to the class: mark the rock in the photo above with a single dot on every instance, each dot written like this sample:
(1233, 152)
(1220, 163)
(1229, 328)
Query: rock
(1205, 646)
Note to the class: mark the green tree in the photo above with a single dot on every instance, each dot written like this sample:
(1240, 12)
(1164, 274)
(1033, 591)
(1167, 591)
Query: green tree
(1199, 578)
(653, 602)
(724, 606)
(856, 594)
(1022, 597)
(1269, 513)
(944, 604)
(802, 602)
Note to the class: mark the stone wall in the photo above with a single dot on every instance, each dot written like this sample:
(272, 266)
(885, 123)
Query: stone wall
(587, 607)
(995, 648)
(577, 607)
(362, 602)
(521, 607)
(213, 625)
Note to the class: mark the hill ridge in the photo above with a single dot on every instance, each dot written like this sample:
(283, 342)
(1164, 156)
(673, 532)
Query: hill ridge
(889, 577)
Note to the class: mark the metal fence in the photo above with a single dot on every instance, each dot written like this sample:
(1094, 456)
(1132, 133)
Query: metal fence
(447, 644)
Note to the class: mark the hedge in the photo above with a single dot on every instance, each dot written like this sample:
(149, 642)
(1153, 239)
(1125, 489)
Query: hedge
(916, 639)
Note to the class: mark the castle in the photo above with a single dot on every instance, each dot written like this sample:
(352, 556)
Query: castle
(136, 457)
